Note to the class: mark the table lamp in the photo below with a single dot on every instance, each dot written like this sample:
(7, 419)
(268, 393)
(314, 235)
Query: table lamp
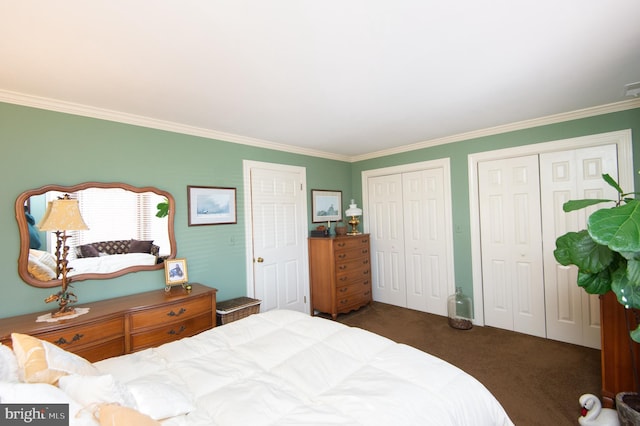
(62, 215)
(354, 212)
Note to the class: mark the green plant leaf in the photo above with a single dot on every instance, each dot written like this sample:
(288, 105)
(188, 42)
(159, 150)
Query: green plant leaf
(572, 205)
(163, 209)
(578, 248)
(617, 227)
(599, 283)
(607, 178)
(627, 292)
(635, 334)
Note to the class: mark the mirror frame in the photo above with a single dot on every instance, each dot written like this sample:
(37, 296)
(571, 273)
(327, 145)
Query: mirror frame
(23, 228)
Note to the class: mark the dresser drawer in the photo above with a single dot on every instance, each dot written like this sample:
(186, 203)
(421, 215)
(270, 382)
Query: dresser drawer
(358, 264)
(355, 274)
(171, 313)
(352, 253)
(74, 338)
(104, 350)
(174, 331)
(353, 288)
(354, 300)
(347, 243)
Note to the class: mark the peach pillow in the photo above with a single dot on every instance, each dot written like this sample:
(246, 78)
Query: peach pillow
(42, 362)
(116, 415)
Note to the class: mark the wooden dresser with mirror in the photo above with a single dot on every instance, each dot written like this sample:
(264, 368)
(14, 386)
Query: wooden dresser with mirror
(125, 324)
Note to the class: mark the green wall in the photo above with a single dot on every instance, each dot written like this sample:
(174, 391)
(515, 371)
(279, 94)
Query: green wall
(42, 147)
(458, 152)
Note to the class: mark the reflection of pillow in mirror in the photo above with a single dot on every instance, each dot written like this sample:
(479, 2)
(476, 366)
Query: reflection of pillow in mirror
(39, 270)
(45, 257)
(88, 250)
(137, 246)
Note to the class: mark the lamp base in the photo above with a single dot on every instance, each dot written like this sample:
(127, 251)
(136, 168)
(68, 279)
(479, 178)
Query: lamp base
(354, 226)
(63, 312)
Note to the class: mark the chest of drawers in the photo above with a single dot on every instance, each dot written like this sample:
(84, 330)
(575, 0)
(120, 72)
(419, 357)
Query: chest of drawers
(340, 273)
(123, 325)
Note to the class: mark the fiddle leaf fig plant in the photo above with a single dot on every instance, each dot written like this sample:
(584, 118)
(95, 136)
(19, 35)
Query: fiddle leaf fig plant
(607, 253)
(163, 208)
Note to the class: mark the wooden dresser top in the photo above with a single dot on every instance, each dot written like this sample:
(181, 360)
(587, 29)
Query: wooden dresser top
(100, 310)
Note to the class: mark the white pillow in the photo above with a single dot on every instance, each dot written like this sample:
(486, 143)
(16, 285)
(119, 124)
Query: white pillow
(8, 365)
(43, 393)
(159, 400)
(89, 390)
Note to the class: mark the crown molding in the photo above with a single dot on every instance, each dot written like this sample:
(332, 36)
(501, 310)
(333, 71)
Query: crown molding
(137, 120)
(520, 125)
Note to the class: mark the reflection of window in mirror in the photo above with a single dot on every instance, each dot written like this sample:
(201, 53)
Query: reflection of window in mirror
(115, 214)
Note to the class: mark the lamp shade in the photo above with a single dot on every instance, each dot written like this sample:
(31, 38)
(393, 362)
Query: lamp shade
(353, 209)
(62, 215)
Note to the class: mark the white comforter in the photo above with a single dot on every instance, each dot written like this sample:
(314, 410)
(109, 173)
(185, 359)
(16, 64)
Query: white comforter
(110, 263)
(287, 368)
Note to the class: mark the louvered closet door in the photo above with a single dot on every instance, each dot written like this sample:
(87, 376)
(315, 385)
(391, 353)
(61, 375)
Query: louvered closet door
(511, 242)
(572, 315)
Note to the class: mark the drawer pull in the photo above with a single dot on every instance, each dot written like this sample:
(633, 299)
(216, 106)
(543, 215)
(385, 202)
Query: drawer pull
(342, 289)
(342, 267)
(180, 312)
(365, 251)
(365, 272)
(344, 278)
(173, 332)
(365, 262)
(344, 301)
(342, 256)
(62, 341)
(366, 293)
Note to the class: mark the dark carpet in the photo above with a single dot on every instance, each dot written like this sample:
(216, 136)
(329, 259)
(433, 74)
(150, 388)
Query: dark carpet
(538, 381)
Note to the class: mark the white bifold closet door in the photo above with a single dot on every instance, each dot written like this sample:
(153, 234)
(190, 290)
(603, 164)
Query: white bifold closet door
(510, 228)
(521, 198)
(572, 314)
(411, 239)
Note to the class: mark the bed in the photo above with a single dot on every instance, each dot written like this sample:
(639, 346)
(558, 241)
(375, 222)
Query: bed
(274, 368)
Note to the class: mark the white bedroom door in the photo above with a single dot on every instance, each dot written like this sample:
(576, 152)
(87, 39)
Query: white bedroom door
(277, 225)
(511, 241)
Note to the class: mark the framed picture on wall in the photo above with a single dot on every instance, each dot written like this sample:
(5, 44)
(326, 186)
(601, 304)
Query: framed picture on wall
(211, 205)
(326, 205)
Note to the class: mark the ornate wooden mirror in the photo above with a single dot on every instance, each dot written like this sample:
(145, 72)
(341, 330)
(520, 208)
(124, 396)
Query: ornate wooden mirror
(130, 230)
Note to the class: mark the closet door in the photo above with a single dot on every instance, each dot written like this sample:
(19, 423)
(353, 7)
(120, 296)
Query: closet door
(387, 239)
(426, 240)
(511, 243)
(410, 227)
(572, 315)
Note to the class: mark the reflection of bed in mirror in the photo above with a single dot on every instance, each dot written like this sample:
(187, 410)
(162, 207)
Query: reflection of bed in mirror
(125, 234)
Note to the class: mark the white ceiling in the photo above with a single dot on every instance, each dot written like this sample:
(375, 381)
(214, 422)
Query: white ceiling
(344, 78)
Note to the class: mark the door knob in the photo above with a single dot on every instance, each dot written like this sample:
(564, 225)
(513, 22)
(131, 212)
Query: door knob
(259, 260)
